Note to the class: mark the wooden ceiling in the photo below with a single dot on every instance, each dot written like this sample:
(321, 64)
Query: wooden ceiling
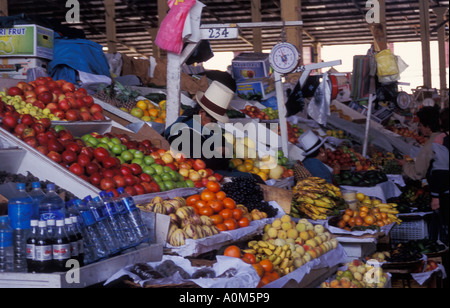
(328, 22)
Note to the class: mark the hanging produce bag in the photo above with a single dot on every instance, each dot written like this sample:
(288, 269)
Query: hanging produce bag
(387, 67)
(170, 34)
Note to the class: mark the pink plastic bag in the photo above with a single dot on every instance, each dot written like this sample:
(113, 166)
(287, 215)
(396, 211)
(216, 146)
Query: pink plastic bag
(170, 32)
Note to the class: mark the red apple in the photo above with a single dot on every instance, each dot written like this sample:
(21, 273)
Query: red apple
(69, 157)
(10, 121)
(119, 180)
(199, 164)
(52, 107)
(46, 97)
(40, 89)
(43, 149)
(83, 159)
(72, 115)
(85, 116)
(140, 190)
(95, 179)
(96, 108)
(68, 87)
(107, 183)
(136, 169)
(98, 116)
(20, 128)
(38, 128)
(109, 162)
(75, 168)
(31, 141)
(101, 153)
(30, 94)
(88, 100)
(28, 132)
(64, 104)
(129, 179)
(13, 91)
(55, 156)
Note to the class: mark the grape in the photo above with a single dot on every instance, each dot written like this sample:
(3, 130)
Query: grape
(245, 190)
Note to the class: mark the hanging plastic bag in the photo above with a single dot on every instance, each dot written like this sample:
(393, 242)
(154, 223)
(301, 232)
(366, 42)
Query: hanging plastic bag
(170, 34)
(319, 106)
(387, 67)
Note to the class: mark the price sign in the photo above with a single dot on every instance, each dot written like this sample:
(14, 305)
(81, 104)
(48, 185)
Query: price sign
(219, 33)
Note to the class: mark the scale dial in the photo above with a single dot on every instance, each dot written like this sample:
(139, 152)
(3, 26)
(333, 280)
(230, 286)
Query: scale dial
(284, 58)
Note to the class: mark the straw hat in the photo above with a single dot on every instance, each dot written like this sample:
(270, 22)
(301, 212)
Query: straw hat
(216, 100)
(310, 142)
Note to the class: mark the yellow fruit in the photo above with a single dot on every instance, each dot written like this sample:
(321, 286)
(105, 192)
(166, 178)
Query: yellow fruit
(360, 196)
(142, 105)
(153, 112)
(262, 175)
(137, 112)
(241, 168)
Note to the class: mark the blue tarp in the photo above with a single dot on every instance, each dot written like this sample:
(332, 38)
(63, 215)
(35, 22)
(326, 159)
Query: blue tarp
(72, 55)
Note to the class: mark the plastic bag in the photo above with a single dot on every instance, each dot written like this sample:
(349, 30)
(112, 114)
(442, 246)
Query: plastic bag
(170, 34)
(387, 67)
(319, 106)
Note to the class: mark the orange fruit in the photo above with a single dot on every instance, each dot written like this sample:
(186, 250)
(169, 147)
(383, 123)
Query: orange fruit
(244, 222)
(191, 200)
(220, 195)
(358, 221)
(207, 195)
(362, 214)
(267, 265)
(231, 224)
(351, 222)
(159, 120)
(232, 251)
(226, 213)
(213, 186)
(201, 203)
(364, 209)
(153, 112)
(229, 203)
(349, 212)
(341, 224)
(142, 105)
(259, 269)
(346, 217)
(369, 219)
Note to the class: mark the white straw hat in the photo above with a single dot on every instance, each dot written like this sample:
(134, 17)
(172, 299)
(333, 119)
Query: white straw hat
(310, 142)
(216, 100)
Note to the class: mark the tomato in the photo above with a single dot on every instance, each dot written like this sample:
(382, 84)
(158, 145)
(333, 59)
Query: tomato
(192, 199)
(216, 219)
(220, 195)
(213, 186)
(221, 227)
(267, 265)
(259, 269)
(231, 224)
(216, 205)
(229, 203)
(201, 203)
(207, 195)
(243, 222)
(232, 251)
(226, 213)
(251, 257)
(237, 214)
(206, 210)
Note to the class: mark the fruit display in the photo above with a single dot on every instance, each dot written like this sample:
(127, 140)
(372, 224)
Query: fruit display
(293, 132)
(407, 133)
(284, 247)
(346, 157)
(148, 111)
(118, 96)
(257, 113)
(316, 199)
(57, 100)
(361, 179)
(358, 275)
(247, 192)
(336, 133)
(185, 223)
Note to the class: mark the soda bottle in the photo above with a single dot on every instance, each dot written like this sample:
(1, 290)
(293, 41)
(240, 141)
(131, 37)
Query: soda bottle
(6, 245)
(80, 242)
(92, 239)
(125, 224)
(36, 194)
(52, 205)
(51, 228)
(20, 212)
(74, 254)
(43, 250)
(31, 246)
(98, 208)
(60, 247)
(134, 215)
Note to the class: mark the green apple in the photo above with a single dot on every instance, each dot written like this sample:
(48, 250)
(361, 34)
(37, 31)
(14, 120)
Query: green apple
(158, 168)
(157, 178)
(169, 185)
(139, 154)
(116, 149)
(132, 151)
(149, 170)
(116, 141)
(110, 144)
(104, 140)
(167, 169)
(127, 156)
(148, 160)
(120, 159)
(189, 183)
(174, 175)
(86, 137)
(103, 145)
(94, 141)
(165, 176)
(138, 161)
(124, 147)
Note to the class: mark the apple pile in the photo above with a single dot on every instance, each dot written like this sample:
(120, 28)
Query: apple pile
(57, 99)
(407, 133)
(346, 158)
(294, 132)
(255, 113)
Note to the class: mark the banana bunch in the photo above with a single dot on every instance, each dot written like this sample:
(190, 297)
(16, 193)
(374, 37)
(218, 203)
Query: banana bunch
(391, 211)
(184, 222)
(315, 198)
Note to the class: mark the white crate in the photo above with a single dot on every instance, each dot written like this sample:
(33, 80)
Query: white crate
(409, 230)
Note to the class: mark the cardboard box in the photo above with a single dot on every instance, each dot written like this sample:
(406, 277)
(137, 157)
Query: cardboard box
(26, 41)
(250, 66)
(16, 68)
(146, 132)
(255, 89)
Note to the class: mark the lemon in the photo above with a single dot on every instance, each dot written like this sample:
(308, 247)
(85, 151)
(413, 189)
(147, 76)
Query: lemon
(360, 196)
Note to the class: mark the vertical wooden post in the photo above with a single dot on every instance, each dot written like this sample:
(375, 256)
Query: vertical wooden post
(379, 29)
(291, 10)
(110, 15)
(3, 7)
(440, 13)
(257, 32)
(424, 8)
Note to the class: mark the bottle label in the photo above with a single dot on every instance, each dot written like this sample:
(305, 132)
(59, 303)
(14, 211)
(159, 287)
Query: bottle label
(56, 215)
(88, 218)
(20, 215)
(31, 251)
(61, 251)
(111, 208)
(129, 204)
(74, 252)
(43, 253)
(99, 213)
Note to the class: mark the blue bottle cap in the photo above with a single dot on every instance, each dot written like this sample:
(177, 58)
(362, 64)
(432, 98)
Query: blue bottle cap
(110, 194)
(36, 184)
(103, 194)
(120, 190)
(51, 186)
(20, 186)
(97, 199)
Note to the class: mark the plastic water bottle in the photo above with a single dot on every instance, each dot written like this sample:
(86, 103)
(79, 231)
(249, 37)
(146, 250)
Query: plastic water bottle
(36, 193)
(31, 245)
(60, 247)
(52, 205)
(93, 241)
(20, 211)
(74, 254)
(51, 228)
(120, 229)
(135, 215)
(98, 208)
(80, 242)
(6, 245)
(123, 218)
